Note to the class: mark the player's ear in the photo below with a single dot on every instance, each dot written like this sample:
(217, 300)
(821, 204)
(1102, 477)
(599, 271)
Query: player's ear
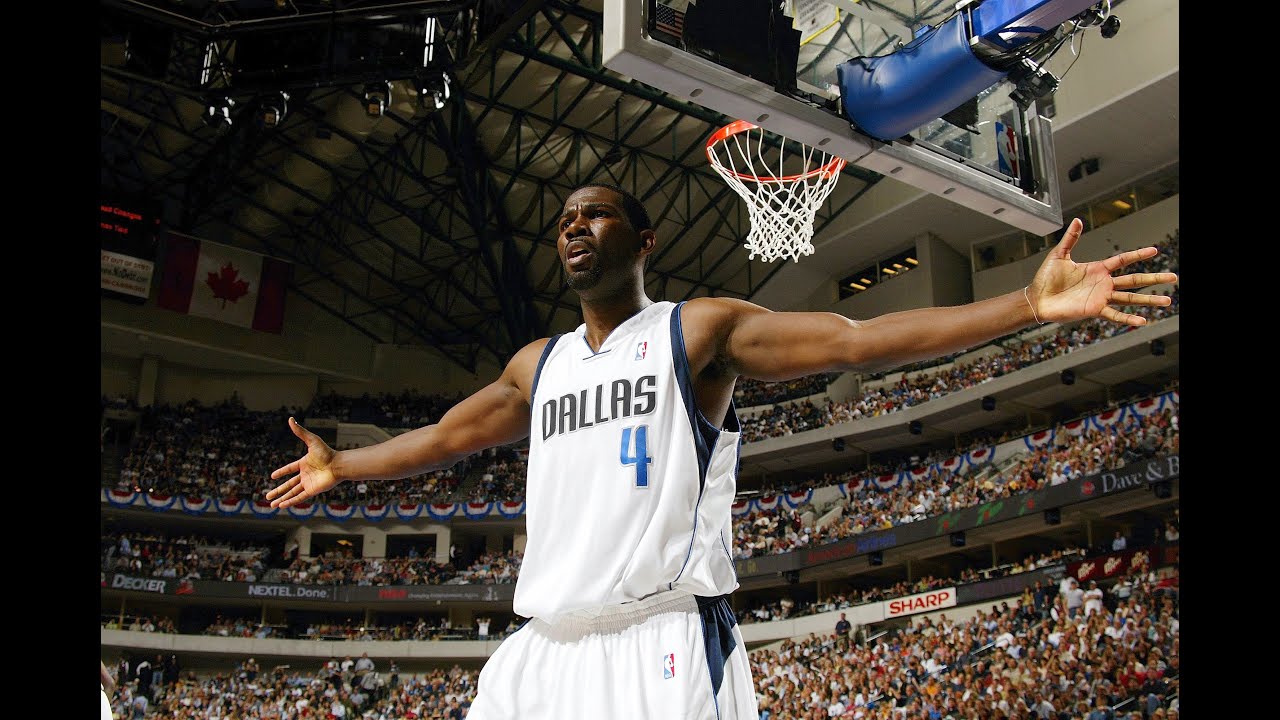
(648, 242)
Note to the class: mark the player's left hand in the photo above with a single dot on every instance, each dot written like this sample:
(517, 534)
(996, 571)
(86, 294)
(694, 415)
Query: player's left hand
(1064, 290)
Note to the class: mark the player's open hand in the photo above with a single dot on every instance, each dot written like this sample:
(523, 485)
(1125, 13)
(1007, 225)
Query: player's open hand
(1064, 290)
(314, 471)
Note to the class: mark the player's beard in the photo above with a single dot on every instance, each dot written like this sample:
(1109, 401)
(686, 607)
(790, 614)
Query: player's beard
(585, 279)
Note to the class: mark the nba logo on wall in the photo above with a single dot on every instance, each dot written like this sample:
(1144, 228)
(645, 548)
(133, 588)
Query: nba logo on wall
(642, 349)
(669, 666)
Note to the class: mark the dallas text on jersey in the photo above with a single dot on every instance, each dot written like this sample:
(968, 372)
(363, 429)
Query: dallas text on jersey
(624, 398)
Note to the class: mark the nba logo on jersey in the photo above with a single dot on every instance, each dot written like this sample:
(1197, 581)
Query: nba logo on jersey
(669, 666)
(642, 349)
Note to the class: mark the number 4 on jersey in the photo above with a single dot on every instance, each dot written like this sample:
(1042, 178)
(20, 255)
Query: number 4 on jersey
(640, 458)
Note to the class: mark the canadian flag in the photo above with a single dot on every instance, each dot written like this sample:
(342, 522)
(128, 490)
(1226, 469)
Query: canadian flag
(224, 283)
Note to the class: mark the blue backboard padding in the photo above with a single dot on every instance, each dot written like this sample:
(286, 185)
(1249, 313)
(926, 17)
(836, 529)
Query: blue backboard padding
(887, 97)
(1010, 23)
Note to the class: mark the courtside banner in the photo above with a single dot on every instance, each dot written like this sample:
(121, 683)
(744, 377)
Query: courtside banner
(321, 593)
(435, 593)
(1131, 477)
(922, 602)
(160, 586)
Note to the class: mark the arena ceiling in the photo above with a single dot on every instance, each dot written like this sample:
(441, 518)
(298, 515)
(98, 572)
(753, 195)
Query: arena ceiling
(434, 224)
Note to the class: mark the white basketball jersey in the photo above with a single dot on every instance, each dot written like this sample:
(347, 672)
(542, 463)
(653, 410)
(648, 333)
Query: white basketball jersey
(629, 486)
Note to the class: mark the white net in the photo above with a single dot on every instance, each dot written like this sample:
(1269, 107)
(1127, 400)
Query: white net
(784, 183)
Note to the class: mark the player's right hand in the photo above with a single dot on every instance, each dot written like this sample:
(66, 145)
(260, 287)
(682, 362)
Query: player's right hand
(314, 471)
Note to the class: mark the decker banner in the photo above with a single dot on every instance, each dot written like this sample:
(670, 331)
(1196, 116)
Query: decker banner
(924, 602)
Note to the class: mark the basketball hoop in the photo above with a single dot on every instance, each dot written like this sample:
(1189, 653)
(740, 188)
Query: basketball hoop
(782, 205)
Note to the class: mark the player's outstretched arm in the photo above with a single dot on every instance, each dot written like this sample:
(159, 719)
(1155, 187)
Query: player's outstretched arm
(769, 345)
(497, 414)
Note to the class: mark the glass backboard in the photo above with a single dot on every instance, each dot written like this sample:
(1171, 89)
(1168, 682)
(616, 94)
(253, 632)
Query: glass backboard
(965, 162)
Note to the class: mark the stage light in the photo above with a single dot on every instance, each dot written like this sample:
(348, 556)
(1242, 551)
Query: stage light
(274, 109)
(377, 97)
(217, 112)
(433, 89)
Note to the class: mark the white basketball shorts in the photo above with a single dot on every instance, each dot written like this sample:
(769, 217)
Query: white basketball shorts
(672, 656)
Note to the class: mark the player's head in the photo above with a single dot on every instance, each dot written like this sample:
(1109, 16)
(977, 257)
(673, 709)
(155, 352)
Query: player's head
(604, 237)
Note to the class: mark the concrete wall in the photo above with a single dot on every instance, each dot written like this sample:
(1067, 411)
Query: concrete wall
(1145, 50)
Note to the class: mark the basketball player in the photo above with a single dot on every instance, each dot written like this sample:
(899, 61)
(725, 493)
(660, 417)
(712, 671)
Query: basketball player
(106, 685)
(633, 457)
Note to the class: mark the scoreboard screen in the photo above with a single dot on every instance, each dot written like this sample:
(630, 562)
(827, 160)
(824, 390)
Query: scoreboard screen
(129, 232)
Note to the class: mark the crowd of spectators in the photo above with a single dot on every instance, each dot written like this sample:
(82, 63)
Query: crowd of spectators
(751, 393)
(139, 623)
(406, 409)
(225, 451)
(1031, 659)
(911, 390)
(941, 376)
(490, 569)
(343, 567)
(422, 628)
(503, 476)
(1166, 261)
(337, 690)
(184, 557)
(197, 557)
(1043, 656)
(942, 491)
(786, 608)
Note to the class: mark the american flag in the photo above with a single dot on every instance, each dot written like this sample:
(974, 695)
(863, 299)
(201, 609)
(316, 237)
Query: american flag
(668, 19)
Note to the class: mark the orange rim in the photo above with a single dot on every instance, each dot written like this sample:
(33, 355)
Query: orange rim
(740, 126)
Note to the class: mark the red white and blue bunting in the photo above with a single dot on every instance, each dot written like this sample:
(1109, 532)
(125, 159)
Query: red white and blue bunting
(980, 456)
(339, 511)
(120, 498)
(1044, 438)
(511, 509)
(160, 501)
(303, 510)
(477, 509)
(194, 506)
(1075, 428)
(230, 506)
(375, 512)
(853, 487)
(1149, 406)
(442, 511)
(1107, 418)
(953, 465)
(796, 498)
(408, 511)
(1171, 396)
(920, 474)
(766, 503)
(887, 482)
(740, 508)
(263, 509)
